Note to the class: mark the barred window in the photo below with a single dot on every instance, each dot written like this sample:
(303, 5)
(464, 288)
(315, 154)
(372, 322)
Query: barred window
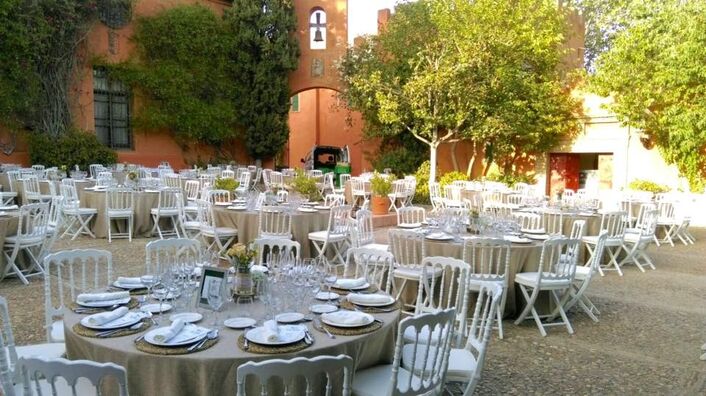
(111, 110)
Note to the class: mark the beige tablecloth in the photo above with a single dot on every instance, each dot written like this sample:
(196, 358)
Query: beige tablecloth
(142, 226)
(246, 222)
(8, 226)
(213, 371)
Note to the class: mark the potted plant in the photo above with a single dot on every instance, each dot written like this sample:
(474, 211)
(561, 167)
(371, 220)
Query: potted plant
(380, 187)
(226, 183)
(240, 257)
(305, 186)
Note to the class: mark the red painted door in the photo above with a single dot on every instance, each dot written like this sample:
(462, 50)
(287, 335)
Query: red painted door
(563, 172)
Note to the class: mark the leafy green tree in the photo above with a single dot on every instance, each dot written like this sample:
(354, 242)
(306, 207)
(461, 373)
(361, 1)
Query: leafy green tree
(656, 74)
(448, 70)
(182, 68)
(264, 52)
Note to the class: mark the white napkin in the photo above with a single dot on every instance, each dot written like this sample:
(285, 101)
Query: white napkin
(271, 331)
(350, 283)
(369, 298)
(171, 332)
(344, 317)
(105, 317)
(134, 282)
(10, 207)
(95, 297)
(259, 268)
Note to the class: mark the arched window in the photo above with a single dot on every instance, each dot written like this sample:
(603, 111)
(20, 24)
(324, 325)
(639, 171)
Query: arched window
(317, 29)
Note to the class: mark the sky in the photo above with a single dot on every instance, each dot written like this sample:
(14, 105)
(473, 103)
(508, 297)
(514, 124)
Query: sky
(363, 14)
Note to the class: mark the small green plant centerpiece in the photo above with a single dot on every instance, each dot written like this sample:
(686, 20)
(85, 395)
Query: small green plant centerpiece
(380, 187)
(240, 257)
(305, 186)
(226, 183)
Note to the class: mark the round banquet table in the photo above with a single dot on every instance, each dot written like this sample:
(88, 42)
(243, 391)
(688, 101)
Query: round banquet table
(246, 222)
(213, 371)
(142, 220)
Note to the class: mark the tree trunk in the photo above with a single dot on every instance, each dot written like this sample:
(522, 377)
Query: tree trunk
(476, 166)
(432, 161)
(454, 161)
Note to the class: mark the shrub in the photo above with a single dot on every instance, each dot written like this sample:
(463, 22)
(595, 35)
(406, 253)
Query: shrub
(646, 185)
(226, 183)
(421, 195)
(380, 186)
(72, 148)
(451, 177)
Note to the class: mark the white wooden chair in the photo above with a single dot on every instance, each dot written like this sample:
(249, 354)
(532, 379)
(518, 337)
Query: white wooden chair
(409, 249)
(614, 223)
(334, 236)
(78, 218)
(219, 196)
(637, 240)
(168, 206)
(164, 252)
(9, 352)
(437, 293)
(228, 174)
(466, 364)
(327, 187)
(667, 221)
(192, 189)
(342, 179)
(36, 371)
(418, 368)
(94, 169)
(288, 371)
(32, 191)
(362, 233)
(78, 270)
(359, 192)
(243, 183)
(529, 222)
(119, 205)
(274, 222)
(171, 180)
(29, 238)
(271, 250)
(7, 197)
(398, 196)
(489, 260)
(55, 221)
(553, 275)
(553, 222)
(276, 181)
(411, 216)
(410, 189)
(373, 264)
(332, 200)
(214, 237)
(255, 181)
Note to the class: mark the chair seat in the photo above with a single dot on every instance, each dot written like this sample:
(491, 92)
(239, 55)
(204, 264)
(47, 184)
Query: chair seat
(377, 246)
(375, 381)
(221, 231)
(530, 279)
(191, 225)
(80, 211)
(610, 241)
(120, 212)
(191, 208)
(57, 331)
(12, 240)
(8, 194)
(582, 272)
(165, 212)
(473, 280)
(48, 350)
(323, 235)
(462, 363)
(413, 272)
(410, 336)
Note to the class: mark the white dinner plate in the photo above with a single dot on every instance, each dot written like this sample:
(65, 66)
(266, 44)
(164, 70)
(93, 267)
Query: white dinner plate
(9, 207)
(361, 287)
(326, 296)
(391, 300)
(188, 335)
(332, 318)
(222, 203)
(409, 225)
(152, 191)
(539, 237)
(439, 236)
(103, 304)
(289, 317)
(322, 207)
(188, 317)
(126, 320)
(239, 323)
(534, 231)
(323, 308)
(169, 296)
(307, 210)
(154, 308)
(128, 286)
(236, 207)
(516, 239)
(310, 203)
(288, 334)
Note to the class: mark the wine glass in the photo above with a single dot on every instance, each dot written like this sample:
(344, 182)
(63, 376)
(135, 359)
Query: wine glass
(160, 290)
(149, 280)
(215, 299)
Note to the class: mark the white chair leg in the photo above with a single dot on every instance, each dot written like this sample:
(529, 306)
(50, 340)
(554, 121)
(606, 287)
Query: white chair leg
(559, 304)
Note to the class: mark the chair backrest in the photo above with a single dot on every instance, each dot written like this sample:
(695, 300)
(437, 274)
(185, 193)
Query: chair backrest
(8, 353)
(192, 189)
(334, 200)
(374, 264)
(488, 258)
(282, 196)
(94, 169)
(204, 213)
(35, 369)
(647, 223)
(207, 180)
(79, 270)
(444, 282)
(411, 215)
(529, 221)
(274, 222)
(666, 210)
(218, 196)
(55, 211)
(12, 177)
(338, 219)
(276, 180)
(556, 262)
(164, 252)
(31, 186)
(170, 199)
(311, 370)
(343, 178)
(452, 192)
(578, 228)
(271, 250)
(119, 198)
(554, 222)
(68, 192)
(614, 223)
(33, 220)
(171, 180)
(228, 174)
(244, 180)
(362, 232)
(429, 364)
(357, 186)
(408, 247)
(487, 304)
(256, 179)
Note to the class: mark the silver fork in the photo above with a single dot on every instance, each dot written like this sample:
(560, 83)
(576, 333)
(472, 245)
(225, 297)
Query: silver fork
(111, 332)
(319, 326)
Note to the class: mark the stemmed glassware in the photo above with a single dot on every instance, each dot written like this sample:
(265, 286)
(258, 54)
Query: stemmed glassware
(215, 300)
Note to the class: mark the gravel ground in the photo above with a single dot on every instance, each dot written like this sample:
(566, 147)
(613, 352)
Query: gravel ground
(647, 342)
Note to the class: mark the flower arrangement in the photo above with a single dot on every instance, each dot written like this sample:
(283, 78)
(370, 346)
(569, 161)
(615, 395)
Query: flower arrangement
(132, 175)
(240, 257)
(226, 183)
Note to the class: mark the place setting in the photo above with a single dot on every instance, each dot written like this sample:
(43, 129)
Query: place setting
(347, 323)
(116, 323)
(274, 338)
(90, 303)
(370, 303)
(178, 338)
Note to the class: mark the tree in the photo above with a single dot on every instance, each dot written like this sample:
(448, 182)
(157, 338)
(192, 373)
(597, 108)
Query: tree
(656, 74)
(264, 52)
(448, 70)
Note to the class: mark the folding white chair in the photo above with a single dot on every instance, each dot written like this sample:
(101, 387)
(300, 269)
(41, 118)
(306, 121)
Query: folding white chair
(288, 371)
(78, 218)
(614, 223)
(489, 260)
(553, 222)
(409, 249)
(165, 252)
(94, 169)
(373, 264)
(9, 352)
(411, 217)
(243, 183)
(274, 222)
(192, 189)
(637, 240)
(220, 237)
(418, 368)
(218, 196)
(29, 238)
(38, 370)
(256, 179)
(667, 221)
(410, 189)
(362, 233)
(32, 191)
(553, 275)
(119, 205)
(331, 200)
(342, 179)
(326, 186)
(529, 222)
(79, 270)
(271, 251)
(168, 206)
(466, 364)
(7, 197)
(228, 174)
(398, 196)
(335, 235)
(359, 192)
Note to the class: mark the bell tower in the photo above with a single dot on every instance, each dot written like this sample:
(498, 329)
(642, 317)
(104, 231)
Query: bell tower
(322, 31)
